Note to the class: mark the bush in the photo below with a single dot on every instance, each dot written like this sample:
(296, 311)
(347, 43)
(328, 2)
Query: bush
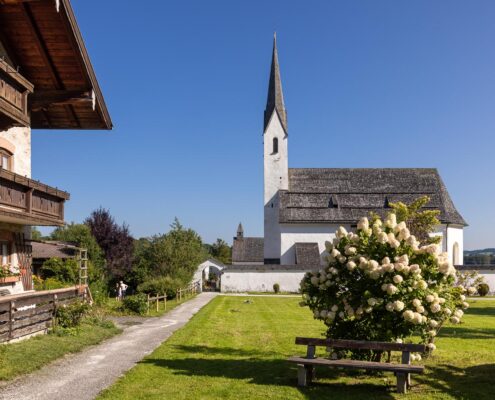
(163, 285)
(70, 316)
(48, 284)
(276, 287)
(381, 285)
(483, 289)
(137, 304)
(63, 271)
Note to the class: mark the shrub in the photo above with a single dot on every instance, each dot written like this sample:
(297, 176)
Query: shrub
(63, 271)
(48, 284)
(163, 285)
(483, 289)
(137, 304)
(276, 287)
(381, 284)
(70, 316)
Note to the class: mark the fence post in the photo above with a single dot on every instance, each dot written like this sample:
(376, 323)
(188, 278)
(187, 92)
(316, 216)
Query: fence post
(12, 316)
(165, 301)
(148, 302)
(157, 297)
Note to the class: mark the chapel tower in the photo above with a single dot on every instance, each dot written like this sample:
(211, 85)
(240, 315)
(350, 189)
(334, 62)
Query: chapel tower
(275, 156)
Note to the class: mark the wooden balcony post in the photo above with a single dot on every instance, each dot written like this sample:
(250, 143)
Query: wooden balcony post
(29, 200)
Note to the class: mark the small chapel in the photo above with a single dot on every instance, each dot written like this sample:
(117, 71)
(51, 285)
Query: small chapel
(303, 207)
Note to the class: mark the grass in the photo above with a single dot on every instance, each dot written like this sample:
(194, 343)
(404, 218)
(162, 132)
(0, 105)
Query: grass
(233, 349)
(29, 355)
(113, 307)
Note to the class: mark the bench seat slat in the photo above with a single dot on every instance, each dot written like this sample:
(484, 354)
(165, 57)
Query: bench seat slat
(356, 364)
(361, 344)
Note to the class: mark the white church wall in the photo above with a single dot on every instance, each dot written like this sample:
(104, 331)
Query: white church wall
(276, 177)
(308, 233)
(489, 275)
(261, 281)
(452, 242)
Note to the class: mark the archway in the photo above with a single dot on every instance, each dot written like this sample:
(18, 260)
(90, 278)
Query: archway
(208, 275)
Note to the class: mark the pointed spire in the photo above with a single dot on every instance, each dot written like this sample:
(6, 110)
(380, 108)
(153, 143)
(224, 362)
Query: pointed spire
(275, 100)
(240, 231)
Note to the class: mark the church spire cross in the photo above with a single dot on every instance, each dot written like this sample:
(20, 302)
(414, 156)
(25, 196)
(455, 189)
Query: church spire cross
(275, 99)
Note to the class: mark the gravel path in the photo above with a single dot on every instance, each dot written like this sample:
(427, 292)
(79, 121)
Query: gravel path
(83, 375)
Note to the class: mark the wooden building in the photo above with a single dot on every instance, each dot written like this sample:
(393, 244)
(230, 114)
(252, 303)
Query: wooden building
(46, 82)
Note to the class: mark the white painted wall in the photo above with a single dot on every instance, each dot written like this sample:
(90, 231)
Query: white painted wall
(20, 139)
(261, 281)
(489, 276)
(307, 233)
(451, 234)
(276, 177)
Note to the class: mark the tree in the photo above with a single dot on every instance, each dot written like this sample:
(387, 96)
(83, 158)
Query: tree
(221, 251)
(420, 223)
(176, 254)
(36, 234)
(115, 242)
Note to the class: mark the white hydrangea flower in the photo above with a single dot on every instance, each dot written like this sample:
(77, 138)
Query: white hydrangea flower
(363, 224)
(349, 250)
(431, 346)
(342, 259)
(435, 307)
(454, 319)
(323, 313)
(315, 281)
(420, 309)
(382, 238)
(465, 305)
(398, 305)
(433, 323)
(416, 303)
(372, 301)
(391, 289)
(397, 279)
(391, 221)
(408, 315)
(351, 265)
(341, 232)
(430, 298)
(422, 284)
(335, 308)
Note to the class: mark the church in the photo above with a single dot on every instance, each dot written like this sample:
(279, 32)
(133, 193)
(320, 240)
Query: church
(303, 207)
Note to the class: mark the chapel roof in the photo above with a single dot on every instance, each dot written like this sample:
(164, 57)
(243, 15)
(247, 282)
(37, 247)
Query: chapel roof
(344, 195)
(248, 249)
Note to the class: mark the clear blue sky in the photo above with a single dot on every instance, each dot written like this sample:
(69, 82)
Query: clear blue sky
(366, 83)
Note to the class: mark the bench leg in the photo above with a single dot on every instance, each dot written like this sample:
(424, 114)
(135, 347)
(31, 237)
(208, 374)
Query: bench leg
(301, 375)
(402, 383)
(305, 374)
(408, 380)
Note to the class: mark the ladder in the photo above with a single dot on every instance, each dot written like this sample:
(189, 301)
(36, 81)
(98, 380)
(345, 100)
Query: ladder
(82, 261)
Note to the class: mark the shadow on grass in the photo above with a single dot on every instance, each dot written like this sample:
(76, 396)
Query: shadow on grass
(460, 332)
(471, 383)
(270, 371)
(484, 311)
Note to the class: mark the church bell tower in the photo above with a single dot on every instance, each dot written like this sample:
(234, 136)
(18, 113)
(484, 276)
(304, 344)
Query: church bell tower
(275, 156)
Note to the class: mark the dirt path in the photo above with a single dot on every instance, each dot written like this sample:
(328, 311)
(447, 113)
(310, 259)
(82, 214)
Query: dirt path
(83, 375)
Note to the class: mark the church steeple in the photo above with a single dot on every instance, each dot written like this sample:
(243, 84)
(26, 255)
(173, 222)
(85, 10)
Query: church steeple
(275, 99)
(240, 231)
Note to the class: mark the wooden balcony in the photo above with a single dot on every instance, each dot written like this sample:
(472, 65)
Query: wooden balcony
(28, 202)
(14, 90)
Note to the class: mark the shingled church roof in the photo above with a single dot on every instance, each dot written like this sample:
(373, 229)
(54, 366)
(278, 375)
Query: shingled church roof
(248, 249)
(332, 195)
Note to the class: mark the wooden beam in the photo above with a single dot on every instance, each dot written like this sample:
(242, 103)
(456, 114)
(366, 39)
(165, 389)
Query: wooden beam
(42, 99)
(46, 56)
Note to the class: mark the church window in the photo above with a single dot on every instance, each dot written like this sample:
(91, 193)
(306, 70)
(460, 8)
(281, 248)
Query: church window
(275, 145)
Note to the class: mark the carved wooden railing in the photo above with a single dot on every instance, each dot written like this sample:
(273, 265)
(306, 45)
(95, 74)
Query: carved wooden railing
(31, 201)
(14, 91)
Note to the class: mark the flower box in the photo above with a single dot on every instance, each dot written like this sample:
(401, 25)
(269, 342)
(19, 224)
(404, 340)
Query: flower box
(10, 279)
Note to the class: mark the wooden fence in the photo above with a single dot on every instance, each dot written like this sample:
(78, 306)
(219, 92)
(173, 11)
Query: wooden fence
(27, 313)
(157, 299)
(189, 290)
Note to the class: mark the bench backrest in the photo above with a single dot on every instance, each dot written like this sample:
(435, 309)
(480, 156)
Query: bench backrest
(361, 345)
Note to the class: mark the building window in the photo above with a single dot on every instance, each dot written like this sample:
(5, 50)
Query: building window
(455, 254)
(5, 252)
(275, 145)
(5, 159)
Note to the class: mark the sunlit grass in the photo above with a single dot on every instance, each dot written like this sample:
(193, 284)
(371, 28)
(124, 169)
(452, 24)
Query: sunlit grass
(234, 349)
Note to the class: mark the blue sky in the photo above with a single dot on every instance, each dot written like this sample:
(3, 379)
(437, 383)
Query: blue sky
(366, 84)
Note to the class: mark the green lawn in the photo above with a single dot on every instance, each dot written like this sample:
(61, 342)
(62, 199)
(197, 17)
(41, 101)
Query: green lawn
(29, 355)
(237, 350)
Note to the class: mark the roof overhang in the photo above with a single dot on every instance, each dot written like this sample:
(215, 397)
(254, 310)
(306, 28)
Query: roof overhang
(44, 43)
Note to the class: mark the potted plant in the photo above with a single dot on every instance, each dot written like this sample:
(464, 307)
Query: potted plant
(7, 276)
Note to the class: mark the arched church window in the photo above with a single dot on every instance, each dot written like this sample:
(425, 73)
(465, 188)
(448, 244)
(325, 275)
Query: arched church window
(455, 254)
(275, 145)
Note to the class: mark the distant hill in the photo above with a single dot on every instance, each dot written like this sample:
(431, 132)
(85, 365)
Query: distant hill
(483, 251)
(480, 257)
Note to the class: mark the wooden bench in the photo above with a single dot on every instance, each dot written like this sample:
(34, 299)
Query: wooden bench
(306, 365)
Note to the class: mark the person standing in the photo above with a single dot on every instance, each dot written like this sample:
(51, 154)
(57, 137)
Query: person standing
(122, 289)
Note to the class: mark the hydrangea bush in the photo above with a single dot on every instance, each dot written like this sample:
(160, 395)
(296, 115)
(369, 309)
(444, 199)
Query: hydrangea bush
(381, 284)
